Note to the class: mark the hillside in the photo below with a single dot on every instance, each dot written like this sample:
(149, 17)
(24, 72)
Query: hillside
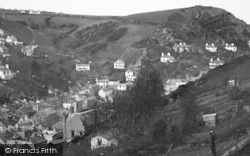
(100, 41)
(103, 40)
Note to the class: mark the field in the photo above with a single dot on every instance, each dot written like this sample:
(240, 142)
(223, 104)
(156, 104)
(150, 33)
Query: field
(135, 33)
(130, 56)
(38, 19)
(82, 22)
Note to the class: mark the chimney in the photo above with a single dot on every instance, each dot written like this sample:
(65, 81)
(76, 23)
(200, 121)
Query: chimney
(218, 59)
(7, 66)
(162, 54)
(64, 126)
(211, 60)
(212, 44)
(206, 44)
(168, 54)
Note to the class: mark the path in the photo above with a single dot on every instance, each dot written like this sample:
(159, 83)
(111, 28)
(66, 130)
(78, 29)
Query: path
(33, 41)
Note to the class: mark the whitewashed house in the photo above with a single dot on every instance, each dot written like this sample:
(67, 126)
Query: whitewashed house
(167, 58)
(113, 83)
(129, 72)
(211, 47)
(22, 11)
(231, 47)
(11, 40)
(121, 86)
(119, 64)
(215, 63)
(130, 79)
(102, 82)
(34, 12)
(6, 73)
(130, 76)
(103, 140)
(82, 67)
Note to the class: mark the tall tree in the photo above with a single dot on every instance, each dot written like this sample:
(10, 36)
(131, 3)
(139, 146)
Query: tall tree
(139, 105)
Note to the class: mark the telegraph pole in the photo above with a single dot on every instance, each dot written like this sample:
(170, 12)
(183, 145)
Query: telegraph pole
(212, 137)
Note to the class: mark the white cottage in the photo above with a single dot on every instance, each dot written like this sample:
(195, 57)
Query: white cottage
(102, 82)
(215, 63)
(167, 58)
(119, 64)
(211, 47)
(231, 47)
(121, 86)
(82, 67)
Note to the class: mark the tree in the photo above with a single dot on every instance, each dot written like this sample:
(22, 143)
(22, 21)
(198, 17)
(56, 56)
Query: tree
(138, 106)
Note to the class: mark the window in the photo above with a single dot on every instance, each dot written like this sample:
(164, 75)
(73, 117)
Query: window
(81, 133)
(72, 133)
(99, 142)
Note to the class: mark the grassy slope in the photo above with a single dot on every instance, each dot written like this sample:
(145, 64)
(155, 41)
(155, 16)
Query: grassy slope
(135, 33)
(21, 32)
(155, 17)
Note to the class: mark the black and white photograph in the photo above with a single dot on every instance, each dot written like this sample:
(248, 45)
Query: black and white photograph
(124, 78)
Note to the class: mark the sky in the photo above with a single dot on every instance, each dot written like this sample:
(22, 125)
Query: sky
(239, 8)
